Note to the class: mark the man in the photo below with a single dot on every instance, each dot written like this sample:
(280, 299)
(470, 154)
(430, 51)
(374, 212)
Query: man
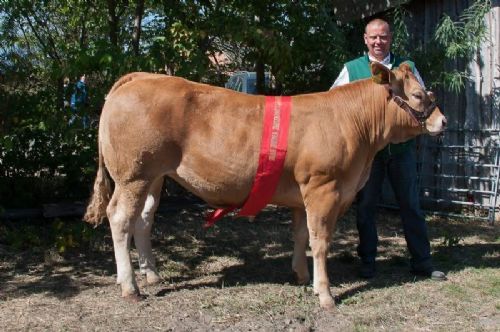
(78, 102)
(398, 161)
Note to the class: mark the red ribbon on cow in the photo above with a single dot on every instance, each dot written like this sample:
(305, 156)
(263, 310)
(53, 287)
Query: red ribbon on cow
(272, 155)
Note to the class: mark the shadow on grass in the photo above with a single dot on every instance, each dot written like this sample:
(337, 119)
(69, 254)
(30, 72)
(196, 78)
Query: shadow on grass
(249, 242)
(261, 249)
(37, 267)
(60, 280)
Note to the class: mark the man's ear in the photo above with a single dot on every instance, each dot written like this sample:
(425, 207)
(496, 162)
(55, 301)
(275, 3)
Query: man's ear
(380, 73)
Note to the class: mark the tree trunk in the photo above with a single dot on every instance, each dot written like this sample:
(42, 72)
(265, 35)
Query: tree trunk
(113, 23)
(136, 35)
(83, 34)
(260, 73)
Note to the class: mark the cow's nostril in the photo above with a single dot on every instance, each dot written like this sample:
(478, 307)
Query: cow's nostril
(444, 122)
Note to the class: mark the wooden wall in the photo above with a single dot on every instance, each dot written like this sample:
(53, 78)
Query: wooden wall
(459, 166)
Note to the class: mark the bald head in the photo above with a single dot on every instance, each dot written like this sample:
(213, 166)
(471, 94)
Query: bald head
(378, 22)
(378, 38)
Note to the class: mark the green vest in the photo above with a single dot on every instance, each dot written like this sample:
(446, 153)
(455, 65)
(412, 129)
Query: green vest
(359, 69)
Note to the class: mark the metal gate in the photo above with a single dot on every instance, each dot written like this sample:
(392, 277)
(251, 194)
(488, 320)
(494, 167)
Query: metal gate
(460, 179)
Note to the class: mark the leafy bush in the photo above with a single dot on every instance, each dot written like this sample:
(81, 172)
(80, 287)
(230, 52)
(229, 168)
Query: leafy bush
(42, 159)
(60, 235)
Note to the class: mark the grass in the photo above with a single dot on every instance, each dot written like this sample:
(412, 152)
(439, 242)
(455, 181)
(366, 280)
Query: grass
(237, 276)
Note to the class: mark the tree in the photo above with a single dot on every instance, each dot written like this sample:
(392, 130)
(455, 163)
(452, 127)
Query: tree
(43, 42)
(453, 41)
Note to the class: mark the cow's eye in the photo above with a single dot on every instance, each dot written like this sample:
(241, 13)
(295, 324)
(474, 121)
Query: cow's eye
(417, 96)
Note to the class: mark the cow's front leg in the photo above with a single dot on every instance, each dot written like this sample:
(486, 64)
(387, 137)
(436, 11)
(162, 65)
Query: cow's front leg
(320, 222)
(319, 240)
(142, 234)
(300, 238)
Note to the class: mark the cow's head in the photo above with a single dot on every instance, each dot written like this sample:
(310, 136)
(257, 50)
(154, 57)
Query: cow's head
(410, 96)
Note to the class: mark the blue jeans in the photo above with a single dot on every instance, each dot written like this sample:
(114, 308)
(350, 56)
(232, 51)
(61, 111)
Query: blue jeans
(75, 118)
(402, 174)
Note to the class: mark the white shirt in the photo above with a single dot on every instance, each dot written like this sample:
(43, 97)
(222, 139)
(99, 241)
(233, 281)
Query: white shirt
(343, 77)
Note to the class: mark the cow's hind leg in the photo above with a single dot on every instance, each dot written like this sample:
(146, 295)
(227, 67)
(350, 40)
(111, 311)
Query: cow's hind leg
(142, 233)
(300, 238)
(124, 209)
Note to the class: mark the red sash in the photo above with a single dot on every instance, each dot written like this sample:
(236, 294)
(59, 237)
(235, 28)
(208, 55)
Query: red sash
(273, 148)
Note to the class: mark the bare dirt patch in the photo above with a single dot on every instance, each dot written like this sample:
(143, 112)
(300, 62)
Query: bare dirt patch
(237, 276)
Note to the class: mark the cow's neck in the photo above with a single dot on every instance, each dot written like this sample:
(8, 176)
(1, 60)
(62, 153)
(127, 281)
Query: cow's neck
(365, 108)
(400, 125)
(376, 119)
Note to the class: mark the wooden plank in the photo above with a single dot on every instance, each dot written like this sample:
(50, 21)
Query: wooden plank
(14, 214)
(77, 209)
(73, 209)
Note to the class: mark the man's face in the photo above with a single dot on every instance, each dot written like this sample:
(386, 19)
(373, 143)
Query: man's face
(378, 39)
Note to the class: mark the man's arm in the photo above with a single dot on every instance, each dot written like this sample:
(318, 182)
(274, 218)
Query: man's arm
(342, 79)
(418, 77)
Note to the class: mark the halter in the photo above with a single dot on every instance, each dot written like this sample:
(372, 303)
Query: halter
(420, 117)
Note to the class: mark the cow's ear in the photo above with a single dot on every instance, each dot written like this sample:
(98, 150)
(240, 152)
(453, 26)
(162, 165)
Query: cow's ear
(380, 73)
(404, 67)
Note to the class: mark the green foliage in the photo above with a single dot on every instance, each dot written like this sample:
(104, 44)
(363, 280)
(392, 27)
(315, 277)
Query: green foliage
(452, 41)
(461, 38)
(43, 159)
(41, 164)
(71, 235)
(454, 80)
(400, 36)
(451, 239)
(61, 235)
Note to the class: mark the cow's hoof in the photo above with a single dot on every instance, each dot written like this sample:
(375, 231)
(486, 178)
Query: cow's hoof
(326, 302)
(303, 280)
(119, 280)
(153, 278)
(134, 298)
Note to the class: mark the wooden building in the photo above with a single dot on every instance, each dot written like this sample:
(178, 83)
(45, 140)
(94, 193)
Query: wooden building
(459, 172)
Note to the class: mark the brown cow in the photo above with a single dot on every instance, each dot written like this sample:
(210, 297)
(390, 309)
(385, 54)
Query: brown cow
(208, 138)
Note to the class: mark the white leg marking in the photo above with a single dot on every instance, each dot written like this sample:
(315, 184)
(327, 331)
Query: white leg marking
(121, 243)
(142, 236)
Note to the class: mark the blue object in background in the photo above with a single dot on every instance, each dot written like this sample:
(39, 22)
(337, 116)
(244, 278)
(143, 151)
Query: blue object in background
(78, 101)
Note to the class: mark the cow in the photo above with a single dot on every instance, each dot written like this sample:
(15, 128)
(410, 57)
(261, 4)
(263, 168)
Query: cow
(208, 138)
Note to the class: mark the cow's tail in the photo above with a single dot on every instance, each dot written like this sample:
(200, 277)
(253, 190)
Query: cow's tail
(96, 209)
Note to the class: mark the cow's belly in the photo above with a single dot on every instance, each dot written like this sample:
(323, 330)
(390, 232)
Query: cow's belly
(226, 186)
(217, 187)
(197, 182)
